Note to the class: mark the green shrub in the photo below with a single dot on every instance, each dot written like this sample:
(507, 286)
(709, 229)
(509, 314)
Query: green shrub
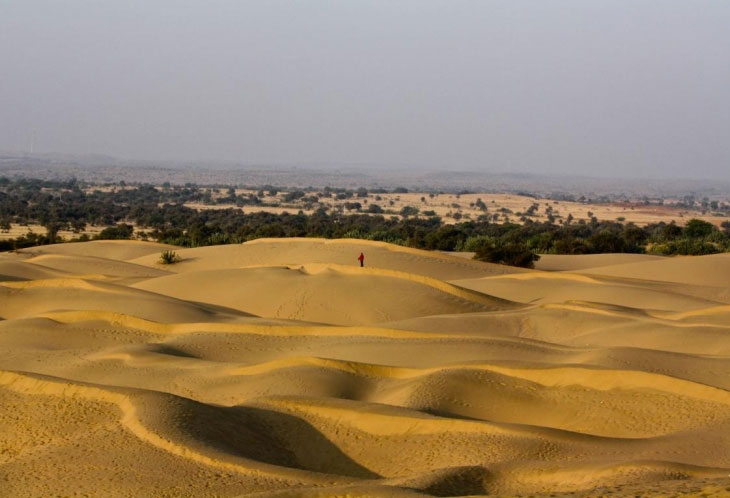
(506, 253)
(122, 231)
(697, 228)
(473, 243)
(407, 211)
(169, 257)
(685, 247)
(353, 234)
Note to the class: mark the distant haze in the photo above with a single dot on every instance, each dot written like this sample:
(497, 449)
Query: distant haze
(602, 88)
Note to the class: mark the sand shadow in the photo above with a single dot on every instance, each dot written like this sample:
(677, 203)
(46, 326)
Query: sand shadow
(307, 447)
(259, 434)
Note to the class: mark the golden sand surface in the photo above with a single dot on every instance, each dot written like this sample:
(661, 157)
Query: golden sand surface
(281, 368)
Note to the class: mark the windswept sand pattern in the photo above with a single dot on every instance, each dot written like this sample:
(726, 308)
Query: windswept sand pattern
(281, 368)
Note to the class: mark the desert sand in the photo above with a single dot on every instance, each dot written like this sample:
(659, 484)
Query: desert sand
(279, 367)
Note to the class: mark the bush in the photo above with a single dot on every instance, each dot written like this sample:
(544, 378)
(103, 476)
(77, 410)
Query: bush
(408, 211)
(506, 253)
(607, 241)
(169, 257)
(472, 244)
(120, 232)
(292, 196)
(354, 234)
(685, 247)
(445, 238)
(697, 228)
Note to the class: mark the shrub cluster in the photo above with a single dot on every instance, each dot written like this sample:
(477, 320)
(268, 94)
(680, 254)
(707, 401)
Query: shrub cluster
(169, 257)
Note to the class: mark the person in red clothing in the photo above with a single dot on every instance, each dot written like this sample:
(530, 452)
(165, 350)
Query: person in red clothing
(361, 259)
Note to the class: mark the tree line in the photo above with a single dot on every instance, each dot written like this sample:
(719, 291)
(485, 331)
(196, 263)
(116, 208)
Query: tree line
(164, 218)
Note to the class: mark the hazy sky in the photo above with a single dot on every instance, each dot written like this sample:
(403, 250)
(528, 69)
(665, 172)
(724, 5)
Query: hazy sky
(628, 88)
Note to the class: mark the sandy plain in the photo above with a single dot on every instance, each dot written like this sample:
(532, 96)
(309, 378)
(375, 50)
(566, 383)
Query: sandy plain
(281, 368)
(455, 208)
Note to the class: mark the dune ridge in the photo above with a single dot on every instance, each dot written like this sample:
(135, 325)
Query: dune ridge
(279, 367)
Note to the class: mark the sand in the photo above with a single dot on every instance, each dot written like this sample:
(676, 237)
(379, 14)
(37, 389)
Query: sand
(281, 368)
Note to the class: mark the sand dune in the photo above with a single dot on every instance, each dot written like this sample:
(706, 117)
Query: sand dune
(324, 293)
(541, 288)
(712, 270)
(567, 262)
(35, 297)
(280, 368)
(122, 250)
(283, 252)
(20, 270)
(81, 265)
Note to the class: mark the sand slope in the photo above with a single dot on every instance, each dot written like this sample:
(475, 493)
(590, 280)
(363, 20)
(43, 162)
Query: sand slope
(541, 288)
(712, 270)
(121, 250)
(280, 368)
(271, 252)
(566, 262)
(336, 294)
(19, 270)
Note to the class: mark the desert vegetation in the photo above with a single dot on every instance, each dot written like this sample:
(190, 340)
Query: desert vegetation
(169, 257)
(162, 214)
